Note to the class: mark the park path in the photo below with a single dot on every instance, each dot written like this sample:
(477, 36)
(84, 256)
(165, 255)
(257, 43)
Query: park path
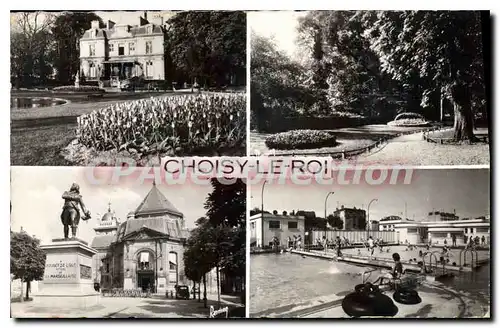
(413, 150)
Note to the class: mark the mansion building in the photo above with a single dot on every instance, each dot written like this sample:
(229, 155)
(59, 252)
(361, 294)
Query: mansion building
(122, 51)
(144, 252)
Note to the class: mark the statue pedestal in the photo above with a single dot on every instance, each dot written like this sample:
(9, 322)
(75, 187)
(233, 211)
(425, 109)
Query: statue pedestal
(68, 277)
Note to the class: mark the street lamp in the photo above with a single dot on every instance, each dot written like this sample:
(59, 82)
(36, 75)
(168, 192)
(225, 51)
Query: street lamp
(368, 215)
(326, 199)
(262, 214)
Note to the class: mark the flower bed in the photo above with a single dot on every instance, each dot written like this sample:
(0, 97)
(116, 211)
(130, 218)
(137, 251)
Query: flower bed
(167, 124)
(301, 139)
(409, 122)
(82, 88)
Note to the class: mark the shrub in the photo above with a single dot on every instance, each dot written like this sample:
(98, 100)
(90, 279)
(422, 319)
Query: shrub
(82, 88)
(158, 124)
(409, 122)
(409, 115)
(301, 139)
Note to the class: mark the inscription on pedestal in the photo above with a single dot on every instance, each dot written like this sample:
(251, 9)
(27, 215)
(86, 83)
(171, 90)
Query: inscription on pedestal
(60, 271)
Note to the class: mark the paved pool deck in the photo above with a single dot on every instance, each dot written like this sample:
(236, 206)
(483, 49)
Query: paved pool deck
(438, 301)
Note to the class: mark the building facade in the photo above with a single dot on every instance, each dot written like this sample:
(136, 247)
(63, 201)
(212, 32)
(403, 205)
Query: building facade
(146, 251)
(122, 51)
(105, 232)
(353, 218)
(264, 227)
(437, 229)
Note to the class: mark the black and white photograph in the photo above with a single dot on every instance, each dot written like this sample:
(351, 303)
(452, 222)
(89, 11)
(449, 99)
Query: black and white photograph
(391, 87)
(416, 251)
(149, 250)
(106, 87)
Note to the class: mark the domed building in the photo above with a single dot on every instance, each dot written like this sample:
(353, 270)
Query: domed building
(105, 234)
(146, 251)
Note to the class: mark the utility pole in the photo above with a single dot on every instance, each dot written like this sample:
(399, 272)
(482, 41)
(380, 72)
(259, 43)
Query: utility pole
(262, 214)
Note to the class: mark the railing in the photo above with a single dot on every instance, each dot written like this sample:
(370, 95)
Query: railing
(464, 253)
(345, 154)
(426, 137)
(431, 255)
(369, 271)
(117, 292)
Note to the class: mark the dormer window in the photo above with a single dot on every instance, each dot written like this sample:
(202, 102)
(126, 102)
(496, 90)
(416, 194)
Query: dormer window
(149, 29)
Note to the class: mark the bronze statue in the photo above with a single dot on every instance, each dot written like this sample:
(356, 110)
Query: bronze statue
(70, 215)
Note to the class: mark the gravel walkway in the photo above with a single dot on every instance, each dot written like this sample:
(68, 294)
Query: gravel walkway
(413, 150)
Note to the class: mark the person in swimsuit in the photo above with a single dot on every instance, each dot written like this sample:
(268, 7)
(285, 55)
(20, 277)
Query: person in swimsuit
(396, 272)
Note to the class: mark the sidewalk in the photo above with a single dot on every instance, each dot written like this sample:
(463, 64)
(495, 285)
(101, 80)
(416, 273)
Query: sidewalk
(118, 307)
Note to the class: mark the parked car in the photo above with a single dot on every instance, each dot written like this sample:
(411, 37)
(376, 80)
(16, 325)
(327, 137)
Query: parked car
(182, 292)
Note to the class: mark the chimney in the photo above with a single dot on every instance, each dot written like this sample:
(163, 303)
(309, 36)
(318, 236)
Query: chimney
(94, 24)
(145, 15)
(110, 24)
(342, 207)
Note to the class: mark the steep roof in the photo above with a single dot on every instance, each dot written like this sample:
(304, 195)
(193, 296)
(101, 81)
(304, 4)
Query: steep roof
(156, 203)
(102, 241)
(132, 32)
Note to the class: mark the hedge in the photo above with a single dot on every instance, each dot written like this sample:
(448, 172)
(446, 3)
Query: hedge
(301, 139)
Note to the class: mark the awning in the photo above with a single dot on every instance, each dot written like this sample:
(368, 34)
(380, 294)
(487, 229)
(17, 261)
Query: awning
(144, 257)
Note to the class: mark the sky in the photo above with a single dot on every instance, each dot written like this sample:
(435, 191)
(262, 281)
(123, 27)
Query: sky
(119, 17)
(465, 190)
(37, 203)
(279, 25)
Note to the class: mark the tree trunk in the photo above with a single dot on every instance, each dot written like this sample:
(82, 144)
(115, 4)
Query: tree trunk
(218, 284)
(28, 287)
(199, 292)
(21, 297)
(464, 122)
(205, 290)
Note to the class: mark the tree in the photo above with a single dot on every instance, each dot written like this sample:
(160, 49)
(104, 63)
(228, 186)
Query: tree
(67, 30)
(215, 51)
(278, 85)
(335, 221)
(226, 211)
(27, 259)
(200, 253)
(226, 204)
(31, 48)
(443, 48)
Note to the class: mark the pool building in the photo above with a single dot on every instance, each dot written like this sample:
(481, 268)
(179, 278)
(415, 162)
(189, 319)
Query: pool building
(436, 228)
(264, 227)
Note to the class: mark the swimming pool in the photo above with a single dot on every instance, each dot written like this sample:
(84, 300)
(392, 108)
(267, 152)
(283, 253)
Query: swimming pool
(279, 280)
(281, 283)
(406, 255)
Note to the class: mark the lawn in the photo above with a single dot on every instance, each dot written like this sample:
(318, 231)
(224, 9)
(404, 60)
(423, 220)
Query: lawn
(39, 134)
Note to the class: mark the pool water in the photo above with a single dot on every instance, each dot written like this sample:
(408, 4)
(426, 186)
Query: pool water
(278, 280)
(406, 255)
(28, 102)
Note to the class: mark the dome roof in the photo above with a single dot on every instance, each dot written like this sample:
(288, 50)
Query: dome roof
(108, 216)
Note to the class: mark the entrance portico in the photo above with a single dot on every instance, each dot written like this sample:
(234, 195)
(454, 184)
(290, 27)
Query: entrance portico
(122, 69)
